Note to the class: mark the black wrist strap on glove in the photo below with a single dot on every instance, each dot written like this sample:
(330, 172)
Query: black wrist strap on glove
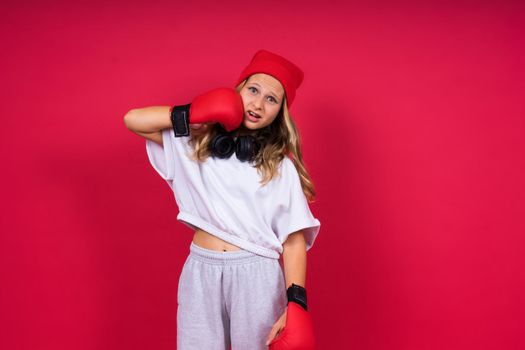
(297, 294)
(180, 119)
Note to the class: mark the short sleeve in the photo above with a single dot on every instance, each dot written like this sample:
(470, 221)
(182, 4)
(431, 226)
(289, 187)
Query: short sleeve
(162, 158)
(293, 212)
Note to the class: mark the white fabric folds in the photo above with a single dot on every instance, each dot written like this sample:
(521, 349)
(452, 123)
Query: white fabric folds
(224, 197)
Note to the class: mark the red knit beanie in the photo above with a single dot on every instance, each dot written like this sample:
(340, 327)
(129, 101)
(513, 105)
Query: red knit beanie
(288, 74)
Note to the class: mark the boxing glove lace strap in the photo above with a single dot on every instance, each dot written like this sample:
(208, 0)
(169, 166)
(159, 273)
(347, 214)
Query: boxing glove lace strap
(297, 294)
(180, 119)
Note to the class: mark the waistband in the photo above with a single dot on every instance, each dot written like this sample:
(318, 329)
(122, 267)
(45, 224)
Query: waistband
(224, 258)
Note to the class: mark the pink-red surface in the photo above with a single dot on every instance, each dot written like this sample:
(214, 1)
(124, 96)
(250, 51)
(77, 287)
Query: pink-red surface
(412, 121)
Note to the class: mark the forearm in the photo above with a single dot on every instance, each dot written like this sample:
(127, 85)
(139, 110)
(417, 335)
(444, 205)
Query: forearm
(294, 259)
(148, 119)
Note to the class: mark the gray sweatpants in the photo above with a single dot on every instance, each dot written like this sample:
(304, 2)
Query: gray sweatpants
(228, 299)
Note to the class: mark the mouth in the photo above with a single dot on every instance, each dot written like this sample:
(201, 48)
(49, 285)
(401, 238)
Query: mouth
(253, 116)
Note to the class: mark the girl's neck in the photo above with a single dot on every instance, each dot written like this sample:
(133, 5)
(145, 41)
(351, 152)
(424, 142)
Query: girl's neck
(242, 130)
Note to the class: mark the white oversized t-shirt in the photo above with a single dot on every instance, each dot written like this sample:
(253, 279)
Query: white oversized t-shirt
(224, 197)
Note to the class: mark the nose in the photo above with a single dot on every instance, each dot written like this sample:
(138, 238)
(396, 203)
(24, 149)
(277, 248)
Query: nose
(257, 102)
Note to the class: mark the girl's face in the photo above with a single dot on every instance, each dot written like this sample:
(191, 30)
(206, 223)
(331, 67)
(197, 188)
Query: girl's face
(263, 95)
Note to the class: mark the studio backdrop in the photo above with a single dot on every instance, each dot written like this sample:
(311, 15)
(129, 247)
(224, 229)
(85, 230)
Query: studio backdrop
(412, 128)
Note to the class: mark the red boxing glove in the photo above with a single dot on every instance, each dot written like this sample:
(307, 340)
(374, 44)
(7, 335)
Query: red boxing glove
(221, 105)
(298, 333)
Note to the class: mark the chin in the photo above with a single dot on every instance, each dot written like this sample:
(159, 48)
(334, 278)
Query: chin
(249, 125)
(254, 127)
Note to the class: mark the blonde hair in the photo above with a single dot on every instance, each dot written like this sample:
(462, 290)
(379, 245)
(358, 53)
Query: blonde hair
(278, 139)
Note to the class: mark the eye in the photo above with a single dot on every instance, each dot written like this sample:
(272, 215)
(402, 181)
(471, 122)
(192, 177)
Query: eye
(251, 87)
(273, 99)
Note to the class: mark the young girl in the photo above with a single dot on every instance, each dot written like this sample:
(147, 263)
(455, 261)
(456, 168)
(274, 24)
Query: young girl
(233, 160)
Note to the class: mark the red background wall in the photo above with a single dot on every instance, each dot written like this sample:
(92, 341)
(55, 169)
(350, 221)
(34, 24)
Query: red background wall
(412, 119)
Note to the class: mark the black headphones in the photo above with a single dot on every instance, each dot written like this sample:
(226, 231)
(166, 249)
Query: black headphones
(223, 145)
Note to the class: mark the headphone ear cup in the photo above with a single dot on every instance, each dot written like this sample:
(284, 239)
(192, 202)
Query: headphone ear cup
(222, 145)
(246, 147)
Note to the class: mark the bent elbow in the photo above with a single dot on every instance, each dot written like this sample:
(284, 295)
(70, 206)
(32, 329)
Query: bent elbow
(129, 119)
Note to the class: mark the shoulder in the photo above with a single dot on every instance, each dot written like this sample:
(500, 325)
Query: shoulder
(288, 169)
(287, 162)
